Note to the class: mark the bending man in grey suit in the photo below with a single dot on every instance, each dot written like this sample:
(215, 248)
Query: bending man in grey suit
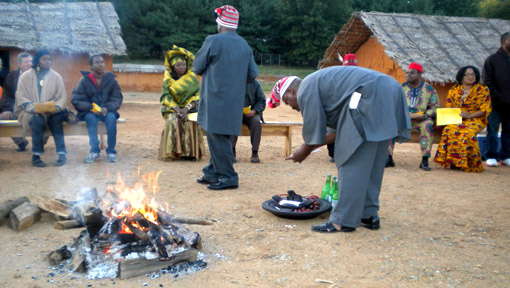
(225, 62)
(367, 109)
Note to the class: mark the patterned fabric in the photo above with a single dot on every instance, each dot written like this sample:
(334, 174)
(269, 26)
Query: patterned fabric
(227, 16)
(421, 100)
(180, 139)
(459, 146)
(279, 90)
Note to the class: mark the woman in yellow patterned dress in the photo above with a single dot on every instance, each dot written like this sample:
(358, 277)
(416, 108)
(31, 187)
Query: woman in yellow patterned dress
(458, 148)
(181, 138)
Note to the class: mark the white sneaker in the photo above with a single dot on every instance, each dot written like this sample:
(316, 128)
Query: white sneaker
(506, 162)
(492, 162)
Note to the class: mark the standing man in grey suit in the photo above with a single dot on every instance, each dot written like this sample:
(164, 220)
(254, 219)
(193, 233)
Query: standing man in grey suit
(225, 62)
(367, 109)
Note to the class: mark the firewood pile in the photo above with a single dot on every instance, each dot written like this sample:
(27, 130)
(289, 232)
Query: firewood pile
(123, 237)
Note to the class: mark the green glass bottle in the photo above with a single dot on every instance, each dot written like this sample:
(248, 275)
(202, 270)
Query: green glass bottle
(334, 196)
(331, 192)
(327, 187)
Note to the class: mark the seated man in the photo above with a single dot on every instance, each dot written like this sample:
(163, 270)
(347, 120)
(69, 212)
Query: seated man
(97, 97)
(422, 102)
(8, 95)
(256, 100)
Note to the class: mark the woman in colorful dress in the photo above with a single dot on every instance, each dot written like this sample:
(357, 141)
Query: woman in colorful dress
(181, 138)
(458, 148)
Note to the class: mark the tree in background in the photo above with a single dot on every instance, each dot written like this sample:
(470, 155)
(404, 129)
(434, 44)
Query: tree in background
(495, 9)
(306, 28)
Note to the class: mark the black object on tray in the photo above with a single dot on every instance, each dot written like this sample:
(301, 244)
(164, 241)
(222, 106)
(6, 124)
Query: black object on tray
(272, 206)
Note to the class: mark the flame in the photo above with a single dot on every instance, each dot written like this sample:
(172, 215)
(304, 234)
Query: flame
(134, 200)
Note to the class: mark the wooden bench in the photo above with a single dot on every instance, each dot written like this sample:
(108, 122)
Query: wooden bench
(12, 128)
(271, 128)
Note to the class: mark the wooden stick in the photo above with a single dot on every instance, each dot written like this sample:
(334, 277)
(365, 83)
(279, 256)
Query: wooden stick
(138, 233)
(193, 220)
(68, 224)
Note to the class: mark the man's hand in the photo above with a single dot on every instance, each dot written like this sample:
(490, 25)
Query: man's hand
(104, 111)
(182, 113)
(251, 114)
(7, 115)
(300, 154)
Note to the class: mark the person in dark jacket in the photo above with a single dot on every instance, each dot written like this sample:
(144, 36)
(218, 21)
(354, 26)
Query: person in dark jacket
(255, 100)
(97, 97)
(225, 62)
(9, 93)
(496, 75)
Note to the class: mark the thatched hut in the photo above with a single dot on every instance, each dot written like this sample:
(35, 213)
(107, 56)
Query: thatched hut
(71, 31)
(389, 42)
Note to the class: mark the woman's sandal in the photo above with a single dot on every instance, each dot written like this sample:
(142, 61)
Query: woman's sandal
(328, 227)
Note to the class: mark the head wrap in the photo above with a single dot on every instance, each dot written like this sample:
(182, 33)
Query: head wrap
(350, 60)
(177, 59)
(182, 55)
(279, 90)
(38, 56)
(227, 16)
(416, 67)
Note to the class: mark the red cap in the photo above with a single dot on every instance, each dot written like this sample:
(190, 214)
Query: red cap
(416, 67)
(350, 60)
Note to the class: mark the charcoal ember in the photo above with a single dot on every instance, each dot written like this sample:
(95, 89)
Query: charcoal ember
(56, 257)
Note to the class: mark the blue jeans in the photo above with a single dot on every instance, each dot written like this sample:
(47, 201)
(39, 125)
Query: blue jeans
(110, 121)
(495, 118)
(39, 124)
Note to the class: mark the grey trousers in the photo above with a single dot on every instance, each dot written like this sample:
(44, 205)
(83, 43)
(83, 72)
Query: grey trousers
(221, 163)
(255, 127)
(359, 184)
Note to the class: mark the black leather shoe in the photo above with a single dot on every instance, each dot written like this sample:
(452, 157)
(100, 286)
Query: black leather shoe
(221, 186)
(424, 166)
(62, 160)
(202, 180)
(372, 223)
(22, 147)
(38, 163)
(389, 163)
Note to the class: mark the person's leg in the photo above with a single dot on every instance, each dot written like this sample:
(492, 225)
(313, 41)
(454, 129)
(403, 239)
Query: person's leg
(389, 157)
(255, 127)
(220, 148)
(371, 206)
(354, 178)
(426, 136)
(92, 121)
(110, 121)
(491, 141)
(209, 171)
(505, 139)
(55, 124)
(233, 139)
(21, 142)
(38, 126)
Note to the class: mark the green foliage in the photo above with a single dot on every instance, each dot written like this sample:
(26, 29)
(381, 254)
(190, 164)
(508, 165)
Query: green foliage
(495, 9)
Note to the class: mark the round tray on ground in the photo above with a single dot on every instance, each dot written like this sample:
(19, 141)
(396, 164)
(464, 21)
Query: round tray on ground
(269, 205)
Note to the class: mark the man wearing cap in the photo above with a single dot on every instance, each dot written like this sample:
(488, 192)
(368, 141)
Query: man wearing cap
(422, 102)
(367, 109)
(225, 62)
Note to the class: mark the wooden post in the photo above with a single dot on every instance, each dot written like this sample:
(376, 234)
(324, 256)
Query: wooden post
(24, 216)
(7, 206)
(136, 267)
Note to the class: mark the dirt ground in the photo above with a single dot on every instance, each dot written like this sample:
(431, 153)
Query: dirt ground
(439, 229)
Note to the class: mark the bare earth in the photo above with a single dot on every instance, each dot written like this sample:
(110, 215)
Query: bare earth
(439, 229)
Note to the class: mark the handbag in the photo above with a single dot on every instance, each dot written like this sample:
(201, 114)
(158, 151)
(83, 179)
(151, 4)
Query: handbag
(70, 117)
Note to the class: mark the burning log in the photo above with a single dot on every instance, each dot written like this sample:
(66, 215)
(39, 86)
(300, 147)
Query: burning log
(136, 267)
(7, 206)
(24, 216)
(82, 246)
(166, 218)
(138, 233)
(54, 206)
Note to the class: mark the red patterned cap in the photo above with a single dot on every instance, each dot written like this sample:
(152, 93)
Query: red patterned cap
(350, 60)
(227, 16)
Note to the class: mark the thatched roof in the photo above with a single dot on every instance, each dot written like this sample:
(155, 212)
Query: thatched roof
(441, 44)
(90, 27)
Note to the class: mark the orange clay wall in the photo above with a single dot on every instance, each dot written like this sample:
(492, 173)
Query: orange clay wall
(371, 55)
(140, 82)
